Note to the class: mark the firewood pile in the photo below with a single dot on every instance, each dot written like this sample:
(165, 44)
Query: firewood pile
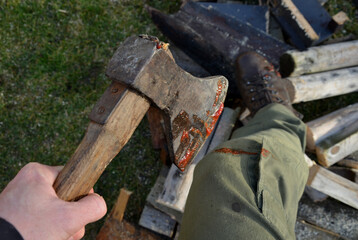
(205, 38)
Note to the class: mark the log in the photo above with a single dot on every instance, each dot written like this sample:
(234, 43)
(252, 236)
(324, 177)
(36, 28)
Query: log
(319, 59)
(339, 20)
(196, 31)
(115, 228)
(121, 204)
(332, 184)
(305, 22)
(294, 23)
(187, 63)
(331, 124)
(333, 149)
(256, 16)
(347, 173)
(175, 187)
(156, 190)
(177, 184)
(322, 85)
(157, 221)
(315, 195)
(348, 163)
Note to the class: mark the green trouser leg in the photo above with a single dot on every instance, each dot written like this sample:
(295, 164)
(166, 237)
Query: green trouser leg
(249, 186)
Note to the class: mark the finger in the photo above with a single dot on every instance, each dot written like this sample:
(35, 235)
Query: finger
(51, 173)
(36, 170)
(89, 209)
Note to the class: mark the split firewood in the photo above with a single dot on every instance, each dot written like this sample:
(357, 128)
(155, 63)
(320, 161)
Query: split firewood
(339, 20)
(348, 173)
(305, 22)
(332, 184)
(348, 163)
(294, 23)
(216, 44)
(334, 136)
(115, 228)
(256, 16)
(176, 187)
(319, 59)
(322, 85)
(157, 221)
(154, 219)
(335, 148)
(315, 195)
(330, 124)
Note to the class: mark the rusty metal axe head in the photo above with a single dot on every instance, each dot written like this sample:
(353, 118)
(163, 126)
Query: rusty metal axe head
(191, 105)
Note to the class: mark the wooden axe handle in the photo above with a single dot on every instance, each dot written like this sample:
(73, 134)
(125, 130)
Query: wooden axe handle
(100, 145)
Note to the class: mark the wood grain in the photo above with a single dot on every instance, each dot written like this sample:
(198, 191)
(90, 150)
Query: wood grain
(99, 146)
(157, 221)
(332, 184)
(331, 124)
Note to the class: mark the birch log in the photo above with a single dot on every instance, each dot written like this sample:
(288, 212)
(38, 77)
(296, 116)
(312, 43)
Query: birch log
(177, 185)
(331, 124)
(319, 59)
(332, 184)
(332, 149)
(323, 85)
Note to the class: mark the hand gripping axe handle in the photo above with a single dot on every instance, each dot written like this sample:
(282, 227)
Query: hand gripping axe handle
(142, 74)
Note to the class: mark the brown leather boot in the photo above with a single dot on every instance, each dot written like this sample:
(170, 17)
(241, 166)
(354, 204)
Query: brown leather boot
(259, 84)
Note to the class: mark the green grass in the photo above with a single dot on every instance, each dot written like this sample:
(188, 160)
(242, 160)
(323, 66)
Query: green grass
(52, 60)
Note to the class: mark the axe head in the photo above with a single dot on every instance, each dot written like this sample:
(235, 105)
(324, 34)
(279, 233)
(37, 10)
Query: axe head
(191, 105)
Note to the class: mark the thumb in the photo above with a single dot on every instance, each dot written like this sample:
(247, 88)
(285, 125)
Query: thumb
(90, 208)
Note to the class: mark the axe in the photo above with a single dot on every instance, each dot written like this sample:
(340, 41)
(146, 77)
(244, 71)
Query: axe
(143, 73)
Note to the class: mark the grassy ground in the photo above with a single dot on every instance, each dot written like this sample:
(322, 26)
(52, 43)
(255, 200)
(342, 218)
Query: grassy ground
(53, 55)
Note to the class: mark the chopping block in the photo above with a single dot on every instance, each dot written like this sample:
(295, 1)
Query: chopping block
(143, 73)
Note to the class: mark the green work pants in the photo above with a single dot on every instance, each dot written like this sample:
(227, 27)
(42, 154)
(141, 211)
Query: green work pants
(249, 186)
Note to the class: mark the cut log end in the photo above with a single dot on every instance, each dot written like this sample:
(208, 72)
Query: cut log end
(287, 65)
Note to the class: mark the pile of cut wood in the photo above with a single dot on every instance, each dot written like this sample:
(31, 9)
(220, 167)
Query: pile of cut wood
(206, 37)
